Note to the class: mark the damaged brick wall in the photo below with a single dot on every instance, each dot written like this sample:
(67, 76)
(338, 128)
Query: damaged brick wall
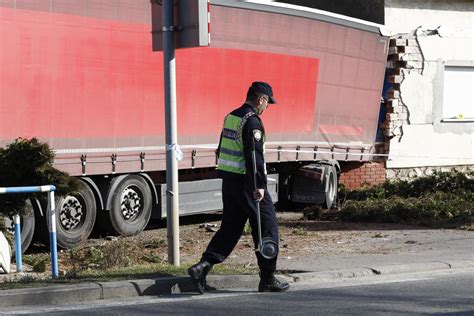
(411, 103)
(357, 174)
(404, 58)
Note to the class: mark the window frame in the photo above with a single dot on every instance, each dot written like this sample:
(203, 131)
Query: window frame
(444, 124)
(449, 67)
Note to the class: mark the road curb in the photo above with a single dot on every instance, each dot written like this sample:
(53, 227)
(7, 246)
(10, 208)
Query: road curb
(68, 294)
(335, 274)
(382, 270)
(71, 294)
(53, 295)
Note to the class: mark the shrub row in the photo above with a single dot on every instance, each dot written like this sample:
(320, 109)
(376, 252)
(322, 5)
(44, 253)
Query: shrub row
(442, 199)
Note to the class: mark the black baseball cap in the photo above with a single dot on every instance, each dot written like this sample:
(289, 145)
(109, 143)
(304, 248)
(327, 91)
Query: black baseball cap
(265, 88)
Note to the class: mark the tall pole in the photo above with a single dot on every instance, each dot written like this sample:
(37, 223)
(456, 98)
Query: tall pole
(172, 193)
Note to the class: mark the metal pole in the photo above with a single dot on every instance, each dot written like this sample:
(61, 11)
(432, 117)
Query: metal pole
(257, 202)
(51, 223)
(52, 234)
(172, 193)
(18, 251)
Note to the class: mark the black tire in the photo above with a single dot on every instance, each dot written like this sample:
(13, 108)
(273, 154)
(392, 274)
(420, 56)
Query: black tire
(41, 227)
(331, 192)
(27, 226)
(131, 206)
(75, 217)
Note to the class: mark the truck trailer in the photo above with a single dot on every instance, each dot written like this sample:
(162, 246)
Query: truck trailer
(82, 76)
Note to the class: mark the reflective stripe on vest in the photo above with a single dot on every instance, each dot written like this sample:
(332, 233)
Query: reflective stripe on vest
(231, 154)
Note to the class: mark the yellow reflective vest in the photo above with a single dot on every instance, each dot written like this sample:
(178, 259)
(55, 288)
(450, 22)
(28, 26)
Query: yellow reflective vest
(231, 152)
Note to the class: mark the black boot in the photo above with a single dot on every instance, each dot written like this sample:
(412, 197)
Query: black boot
(268, 283)
(198, 273)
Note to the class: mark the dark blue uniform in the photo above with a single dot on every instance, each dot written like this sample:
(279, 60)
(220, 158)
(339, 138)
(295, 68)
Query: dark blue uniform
(239, 202)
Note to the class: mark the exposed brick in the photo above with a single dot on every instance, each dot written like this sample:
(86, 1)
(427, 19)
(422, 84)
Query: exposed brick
(396, 86)
(413, 57)
(396, 57)
(399, 109)
(406, 57)
(393, 94)
(398, 42)
(394, 50)
(397, 71)
(414, 64)
(357, 174)
(394, 116)
(393, 102)
(395, 79)
(413, 71)
(403, 49)
(391, 64)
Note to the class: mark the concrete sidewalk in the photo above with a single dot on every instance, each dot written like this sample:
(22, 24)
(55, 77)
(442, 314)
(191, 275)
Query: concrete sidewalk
(434, 250)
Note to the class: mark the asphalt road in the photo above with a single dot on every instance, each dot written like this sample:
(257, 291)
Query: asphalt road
(447, 293)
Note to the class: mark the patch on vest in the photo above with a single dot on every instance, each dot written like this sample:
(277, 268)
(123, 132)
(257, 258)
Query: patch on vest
(257, 134)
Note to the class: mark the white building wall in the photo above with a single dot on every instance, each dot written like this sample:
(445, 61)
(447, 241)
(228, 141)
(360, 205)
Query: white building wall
(403, 16)
(445, 35)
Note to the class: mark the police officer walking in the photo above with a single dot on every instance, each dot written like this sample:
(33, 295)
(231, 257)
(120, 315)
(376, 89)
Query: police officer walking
(243, 132)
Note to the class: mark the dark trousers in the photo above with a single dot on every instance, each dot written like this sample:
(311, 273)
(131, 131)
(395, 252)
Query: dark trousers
(239, 205)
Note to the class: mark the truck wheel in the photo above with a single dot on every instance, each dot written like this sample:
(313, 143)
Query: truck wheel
(331, 183)
(131, 206)
(75, 217)
(27, 226)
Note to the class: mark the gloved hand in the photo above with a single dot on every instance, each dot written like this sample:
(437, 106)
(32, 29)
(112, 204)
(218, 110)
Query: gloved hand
(258, 194)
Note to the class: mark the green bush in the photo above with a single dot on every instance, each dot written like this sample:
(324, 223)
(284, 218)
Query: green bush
(29, 162)
(439, 181)
(443, 199)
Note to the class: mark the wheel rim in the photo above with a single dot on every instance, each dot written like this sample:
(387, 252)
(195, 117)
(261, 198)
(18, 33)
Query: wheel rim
(131, 203)
(332, 187)
(71, 213)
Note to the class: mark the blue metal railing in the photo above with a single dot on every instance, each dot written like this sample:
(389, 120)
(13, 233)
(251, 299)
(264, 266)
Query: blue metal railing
(51, 225)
